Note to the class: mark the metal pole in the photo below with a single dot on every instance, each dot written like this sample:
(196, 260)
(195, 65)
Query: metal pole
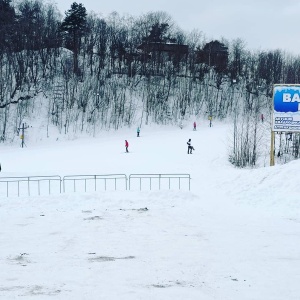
(22, 135)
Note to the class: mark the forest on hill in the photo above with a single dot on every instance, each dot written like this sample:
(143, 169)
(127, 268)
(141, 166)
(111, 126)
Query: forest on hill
(86, 73)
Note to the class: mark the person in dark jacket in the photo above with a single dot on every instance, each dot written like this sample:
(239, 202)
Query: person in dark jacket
(190, 147)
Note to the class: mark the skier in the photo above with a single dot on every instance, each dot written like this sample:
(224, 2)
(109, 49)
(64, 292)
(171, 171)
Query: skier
(190, 147)
(126, 146)
(262, 118)
(138, 132)
(195, 126)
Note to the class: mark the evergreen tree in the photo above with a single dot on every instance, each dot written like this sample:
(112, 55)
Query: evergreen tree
(159, 34)
(7, 20)
(74, 24)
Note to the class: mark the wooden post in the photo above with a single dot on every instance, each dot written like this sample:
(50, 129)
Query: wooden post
(272, 154)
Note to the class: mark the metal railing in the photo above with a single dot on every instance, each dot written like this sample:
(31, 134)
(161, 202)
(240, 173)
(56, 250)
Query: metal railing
(94, 182)
(37, 185)
(31, 185)
(160, 181)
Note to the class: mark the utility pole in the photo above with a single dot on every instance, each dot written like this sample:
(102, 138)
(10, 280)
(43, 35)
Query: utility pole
(210, 120)
(24, 126)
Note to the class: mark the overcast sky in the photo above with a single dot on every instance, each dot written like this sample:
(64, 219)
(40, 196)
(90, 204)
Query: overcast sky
(261, 24)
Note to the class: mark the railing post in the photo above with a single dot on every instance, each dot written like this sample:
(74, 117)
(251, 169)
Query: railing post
(28, 186)
(159, 175)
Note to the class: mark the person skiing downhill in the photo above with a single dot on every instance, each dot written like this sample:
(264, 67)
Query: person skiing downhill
(190, 147)
(126, 145)
(195, 126)
(138, 132)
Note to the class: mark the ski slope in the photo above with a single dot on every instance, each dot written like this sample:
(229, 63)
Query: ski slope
(234, 235)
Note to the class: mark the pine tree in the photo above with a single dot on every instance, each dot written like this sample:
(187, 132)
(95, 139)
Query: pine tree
(7, 20)
(74, 24)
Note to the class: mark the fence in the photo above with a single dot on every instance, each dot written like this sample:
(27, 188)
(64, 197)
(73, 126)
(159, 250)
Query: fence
(41, 185)
(30, 186)
(85, 183)
(160, 181)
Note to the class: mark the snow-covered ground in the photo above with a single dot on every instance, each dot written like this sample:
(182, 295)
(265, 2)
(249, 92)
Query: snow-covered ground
(235, 235)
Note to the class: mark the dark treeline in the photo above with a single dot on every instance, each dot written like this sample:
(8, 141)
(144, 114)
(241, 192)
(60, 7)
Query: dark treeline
(96, 73)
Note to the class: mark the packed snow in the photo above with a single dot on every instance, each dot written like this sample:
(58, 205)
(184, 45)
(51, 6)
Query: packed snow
(234, 235)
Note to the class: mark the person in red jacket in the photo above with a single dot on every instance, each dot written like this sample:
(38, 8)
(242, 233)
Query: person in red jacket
(126, 145)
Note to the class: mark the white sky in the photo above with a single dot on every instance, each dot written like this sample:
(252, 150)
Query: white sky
(263, 25)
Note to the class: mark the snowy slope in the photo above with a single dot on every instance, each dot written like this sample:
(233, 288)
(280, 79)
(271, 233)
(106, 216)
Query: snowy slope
(235, 235)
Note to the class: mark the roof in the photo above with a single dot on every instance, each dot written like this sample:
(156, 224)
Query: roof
(166, 47)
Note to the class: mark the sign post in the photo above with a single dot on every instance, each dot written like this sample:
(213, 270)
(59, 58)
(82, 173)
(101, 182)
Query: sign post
(272, 152)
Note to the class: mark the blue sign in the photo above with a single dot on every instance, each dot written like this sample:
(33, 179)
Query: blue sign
(287, 99)
(286, 114)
